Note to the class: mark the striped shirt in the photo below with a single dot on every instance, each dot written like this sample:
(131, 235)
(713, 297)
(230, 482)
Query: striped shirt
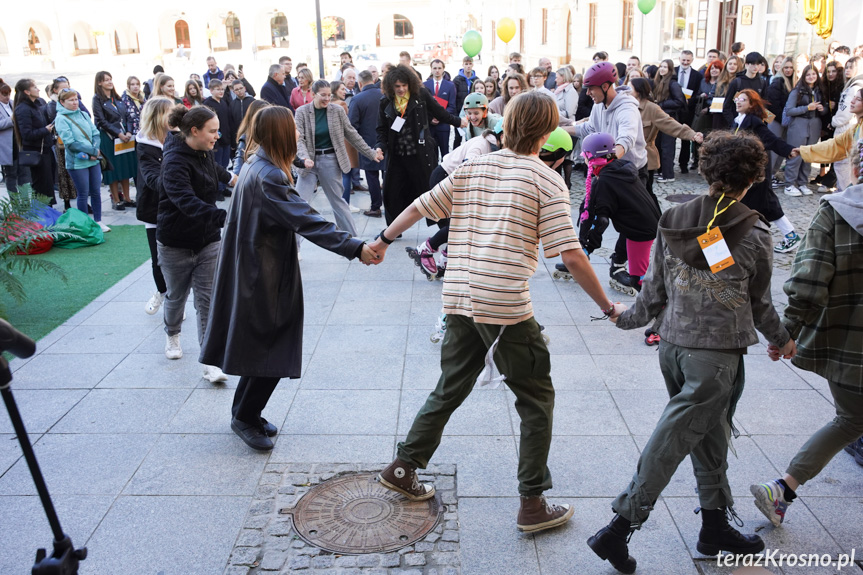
(501, 205)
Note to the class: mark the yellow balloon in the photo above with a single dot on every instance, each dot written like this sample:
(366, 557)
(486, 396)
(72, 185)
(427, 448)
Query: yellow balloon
(506, 30)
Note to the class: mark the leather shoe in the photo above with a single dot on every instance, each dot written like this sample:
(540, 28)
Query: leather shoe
(269, 429)
(372, 213)
(252, 434)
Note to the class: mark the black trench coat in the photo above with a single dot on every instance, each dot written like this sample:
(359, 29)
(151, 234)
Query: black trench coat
(255, 326)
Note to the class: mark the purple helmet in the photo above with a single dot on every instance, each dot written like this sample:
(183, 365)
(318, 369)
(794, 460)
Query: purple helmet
(599, 74)
(596, 145)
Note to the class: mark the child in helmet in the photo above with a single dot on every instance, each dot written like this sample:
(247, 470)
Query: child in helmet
(615, 193)
(475, 109)
(423, 255)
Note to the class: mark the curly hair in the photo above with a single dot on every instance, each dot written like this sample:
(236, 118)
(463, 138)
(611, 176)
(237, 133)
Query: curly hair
(731, 162)
(757, 107)
(403, 75)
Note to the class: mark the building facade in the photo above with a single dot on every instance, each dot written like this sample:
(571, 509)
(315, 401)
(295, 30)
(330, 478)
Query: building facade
(82, 34)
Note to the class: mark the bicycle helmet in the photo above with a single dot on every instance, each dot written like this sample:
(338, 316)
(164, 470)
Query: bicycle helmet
(599, 75)
(475, 100)
(559, 139)
(597, 145)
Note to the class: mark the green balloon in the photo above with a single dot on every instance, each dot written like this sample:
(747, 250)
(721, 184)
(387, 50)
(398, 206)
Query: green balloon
(471, 43)
(645, 6)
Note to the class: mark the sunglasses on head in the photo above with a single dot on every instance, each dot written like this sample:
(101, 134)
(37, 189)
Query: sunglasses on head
(61, 79)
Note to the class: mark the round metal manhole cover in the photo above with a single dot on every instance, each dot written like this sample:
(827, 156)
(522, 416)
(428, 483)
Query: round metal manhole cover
(681, 198)
(354, 514)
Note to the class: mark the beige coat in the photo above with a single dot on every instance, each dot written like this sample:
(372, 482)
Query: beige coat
(341, 132)
(654, 121)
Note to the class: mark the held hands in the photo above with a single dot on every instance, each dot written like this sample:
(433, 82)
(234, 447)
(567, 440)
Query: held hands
(379, 247)
(465, 122)
(619, 308)
(435, 122)
(308, 164)
(369, 256)
(787, 351)
(379, 155)
(699, 138)
(794, 153)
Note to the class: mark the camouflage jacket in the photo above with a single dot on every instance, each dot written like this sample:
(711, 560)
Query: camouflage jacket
(702, 309)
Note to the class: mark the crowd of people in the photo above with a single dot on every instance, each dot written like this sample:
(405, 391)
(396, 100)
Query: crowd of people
(489, 160)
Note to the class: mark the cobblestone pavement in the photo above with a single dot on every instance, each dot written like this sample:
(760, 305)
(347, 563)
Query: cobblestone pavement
(145, 471)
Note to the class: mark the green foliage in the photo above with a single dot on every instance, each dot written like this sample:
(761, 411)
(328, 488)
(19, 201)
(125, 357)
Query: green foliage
(15, 210)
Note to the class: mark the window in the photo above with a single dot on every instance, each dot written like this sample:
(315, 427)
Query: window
(545, 26)
(340, 29)
(279, 30)
(232, 29)
(181, 31)
(402, 27)
(591, 26)
(626, 30)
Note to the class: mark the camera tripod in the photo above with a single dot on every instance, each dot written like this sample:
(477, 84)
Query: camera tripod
(65, 558)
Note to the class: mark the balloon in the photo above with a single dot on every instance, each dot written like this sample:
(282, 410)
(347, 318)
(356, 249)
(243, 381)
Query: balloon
(471, 43)
(506, 29)
(646, 6)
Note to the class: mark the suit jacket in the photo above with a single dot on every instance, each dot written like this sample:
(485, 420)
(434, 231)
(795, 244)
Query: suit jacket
(276, 94)
(447, 92)
(551, 81)
(694, 84)
(363, 115)
(340, 129)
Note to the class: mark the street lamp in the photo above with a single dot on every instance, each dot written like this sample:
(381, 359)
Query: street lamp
(320, 37)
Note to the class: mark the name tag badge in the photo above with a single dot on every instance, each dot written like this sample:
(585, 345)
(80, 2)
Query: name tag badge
(687, 92)
(398, 123)
(715, 250)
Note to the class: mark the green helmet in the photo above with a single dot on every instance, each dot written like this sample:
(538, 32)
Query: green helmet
(475, 100)
(558, 140)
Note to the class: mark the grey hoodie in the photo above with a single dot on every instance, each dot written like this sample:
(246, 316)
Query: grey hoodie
(849, 205)
(622, 120)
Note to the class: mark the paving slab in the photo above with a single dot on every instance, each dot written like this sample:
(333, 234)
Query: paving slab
(63, 371)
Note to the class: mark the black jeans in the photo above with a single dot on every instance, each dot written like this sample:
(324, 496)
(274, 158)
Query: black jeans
(251, 397)
(15, 175)
(42, 176)
(154, 257)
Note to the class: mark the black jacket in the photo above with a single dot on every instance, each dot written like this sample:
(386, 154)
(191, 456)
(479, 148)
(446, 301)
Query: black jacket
(31, 120)
(675, 104)
(694, 84)
(238, 112)
(290, 84)
(617, 194)
(741, 82)
(148, 181)
(188, 216)
(226, 122)
(760, 196)
(255, 325)
(777, 95)
(276, 94)
(420, 109)
(585, 105)
(110, 116)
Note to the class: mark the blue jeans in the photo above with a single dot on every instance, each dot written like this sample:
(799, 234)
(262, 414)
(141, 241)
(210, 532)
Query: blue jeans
(347, 184)
(88, 184)
(222, 155)
(185, 270)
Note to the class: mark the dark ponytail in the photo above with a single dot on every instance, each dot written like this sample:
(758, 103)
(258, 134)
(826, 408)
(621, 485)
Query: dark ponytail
(185, 119)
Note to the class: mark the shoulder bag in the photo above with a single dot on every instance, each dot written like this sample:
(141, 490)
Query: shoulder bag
(104, 162)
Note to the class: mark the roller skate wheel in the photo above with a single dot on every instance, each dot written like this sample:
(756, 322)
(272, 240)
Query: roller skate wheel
(430, 278)
(436, 337)
(546, 339)
(558, 275)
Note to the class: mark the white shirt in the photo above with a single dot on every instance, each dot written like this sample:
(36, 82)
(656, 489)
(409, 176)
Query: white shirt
(683, 80)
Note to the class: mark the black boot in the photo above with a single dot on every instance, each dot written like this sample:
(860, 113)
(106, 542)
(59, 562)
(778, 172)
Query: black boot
(717, 535)
(610, 543)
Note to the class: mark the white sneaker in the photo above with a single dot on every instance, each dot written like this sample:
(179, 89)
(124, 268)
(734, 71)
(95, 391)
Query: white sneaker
(172, 347)
(104, 228)
(822, 189)
(155, 303)
(354, 209)
(805, 190)
(214, 375)
(792, 191)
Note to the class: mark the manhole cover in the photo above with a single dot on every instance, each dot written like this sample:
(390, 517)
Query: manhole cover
(354, 514)
(681, 198)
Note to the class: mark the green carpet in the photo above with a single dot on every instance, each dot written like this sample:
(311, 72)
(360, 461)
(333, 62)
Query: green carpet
(89, 272)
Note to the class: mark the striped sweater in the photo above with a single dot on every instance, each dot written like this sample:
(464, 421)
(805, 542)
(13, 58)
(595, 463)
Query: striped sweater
(501, 205)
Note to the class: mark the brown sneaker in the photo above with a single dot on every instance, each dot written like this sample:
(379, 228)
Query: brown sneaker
(401, 477)
(537, 514)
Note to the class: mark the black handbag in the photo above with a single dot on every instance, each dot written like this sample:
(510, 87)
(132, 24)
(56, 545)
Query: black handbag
(30, 158)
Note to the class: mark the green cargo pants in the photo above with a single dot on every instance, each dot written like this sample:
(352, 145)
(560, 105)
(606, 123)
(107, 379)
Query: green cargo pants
(845, 428)
(704, 386)
(523, 357)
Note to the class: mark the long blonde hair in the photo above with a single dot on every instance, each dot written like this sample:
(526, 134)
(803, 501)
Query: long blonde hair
(725, 77)
(154, 117)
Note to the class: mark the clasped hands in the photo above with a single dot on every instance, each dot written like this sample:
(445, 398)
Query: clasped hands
(373, 253)
(787, 351)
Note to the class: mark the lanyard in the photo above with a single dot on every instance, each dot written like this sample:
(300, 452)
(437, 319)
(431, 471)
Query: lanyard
(717, 213)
